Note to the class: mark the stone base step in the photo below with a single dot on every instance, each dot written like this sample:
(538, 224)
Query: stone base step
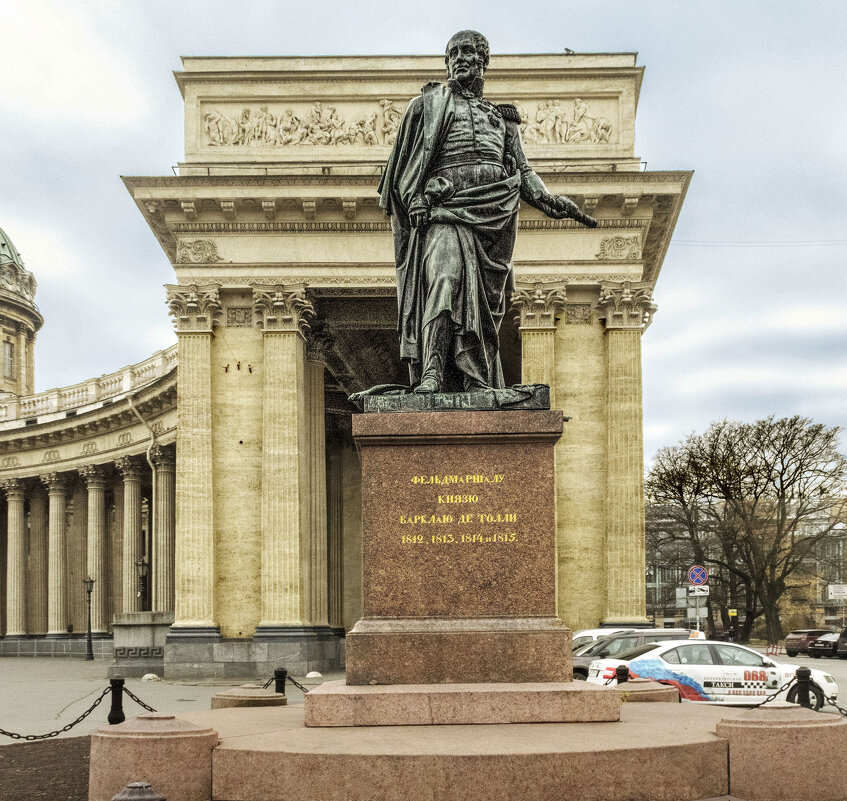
(336, 703)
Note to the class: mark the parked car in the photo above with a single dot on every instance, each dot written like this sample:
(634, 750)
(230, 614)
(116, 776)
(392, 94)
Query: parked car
(799, 640)
(826, 645)
(841, 648)
(616, 644)
(709, 671)
(586, 636)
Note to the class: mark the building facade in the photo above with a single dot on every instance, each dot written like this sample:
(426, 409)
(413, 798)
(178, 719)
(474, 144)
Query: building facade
(284, 303)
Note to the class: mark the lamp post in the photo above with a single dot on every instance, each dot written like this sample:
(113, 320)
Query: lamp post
(141, 567)
(89, 649)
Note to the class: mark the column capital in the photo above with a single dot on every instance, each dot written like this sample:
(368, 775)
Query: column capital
(283, 308)
(163, 458)
(129, 467)
(56, 483)
(94, 476)
(537, 305)
(14, 489)
(195, 308)
(627, 305)
(319, 343)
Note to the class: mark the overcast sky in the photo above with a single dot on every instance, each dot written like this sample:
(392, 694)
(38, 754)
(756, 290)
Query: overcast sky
(750, 95)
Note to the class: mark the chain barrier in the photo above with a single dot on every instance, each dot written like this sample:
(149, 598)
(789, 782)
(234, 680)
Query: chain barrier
(774, 694)
(288, 677)
(82, 717)
(137, 700)
(829, 700)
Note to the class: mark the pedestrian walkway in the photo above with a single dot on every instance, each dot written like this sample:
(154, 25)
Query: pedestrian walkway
(42, 695)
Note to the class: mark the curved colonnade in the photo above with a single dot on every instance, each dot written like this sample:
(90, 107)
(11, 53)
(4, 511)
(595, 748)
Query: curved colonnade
(88, 474)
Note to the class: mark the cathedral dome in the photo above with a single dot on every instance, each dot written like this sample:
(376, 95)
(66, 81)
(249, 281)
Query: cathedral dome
(14, 277)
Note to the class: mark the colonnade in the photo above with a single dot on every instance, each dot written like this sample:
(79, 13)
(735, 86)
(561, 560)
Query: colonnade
(98, 521)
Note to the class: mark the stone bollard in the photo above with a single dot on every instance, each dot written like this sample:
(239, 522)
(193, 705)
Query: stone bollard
(138, 791)
(785, 753)
(172, 755)
(248, 695)
(646, 690)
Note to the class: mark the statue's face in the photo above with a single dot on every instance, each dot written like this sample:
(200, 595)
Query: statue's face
(464, 63)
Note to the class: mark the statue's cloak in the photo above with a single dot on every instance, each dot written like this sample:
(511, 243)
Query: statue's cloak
(485, 223)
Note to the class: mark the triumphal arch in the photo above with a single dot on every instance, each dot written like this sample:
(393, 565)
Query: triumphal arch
(284, 303)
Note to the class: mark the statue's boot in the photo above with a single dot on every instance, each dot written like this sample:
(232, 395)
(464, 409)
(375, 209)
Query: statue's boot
(436, 341)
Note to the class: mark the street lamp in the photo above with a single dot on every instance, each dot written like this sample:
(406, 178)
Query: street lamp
(141, 567)
(89, 648)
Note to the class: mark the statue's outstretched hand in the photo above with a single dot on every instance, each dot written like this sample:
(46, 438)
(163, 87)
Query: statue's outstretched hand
(559, 207)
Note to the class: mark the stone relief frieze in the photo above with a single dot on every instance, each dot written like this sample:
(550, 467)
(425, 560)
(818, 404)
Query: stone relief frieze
(619, 247)
(16, 279)
(239, 317)
(197, 251)
(578, 313)
(321, 124)
(554, 122)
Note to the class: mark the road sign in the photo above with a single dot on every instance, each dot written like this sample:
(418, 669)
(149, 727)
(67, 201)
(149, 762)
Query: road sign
(732, 612)
(697, 613)
(837, 592)
(698, 575)
(698, 589)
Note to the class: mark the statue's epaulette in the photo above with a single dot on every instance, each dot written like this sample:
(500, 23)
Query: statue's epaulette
(509, 112)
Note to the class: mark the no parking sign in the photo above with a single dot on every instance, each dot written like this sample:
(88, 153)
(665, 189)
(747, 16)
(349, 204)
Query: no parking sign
(698, 575)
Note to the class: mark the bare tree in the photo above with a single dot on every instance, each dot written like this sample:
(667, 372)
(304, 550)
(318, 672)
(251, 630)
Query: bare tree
(755, 501)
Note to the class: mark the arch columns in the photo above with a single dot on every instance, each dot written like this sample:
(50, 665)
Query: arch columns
(16, 573)
(57, 598)
(195, 310)
(286, 536)
(97, 550)
(627, 309)
(164, 531)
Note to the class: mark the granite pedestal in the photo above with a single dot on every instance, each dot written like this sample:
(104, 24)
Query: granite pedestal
(458, 550)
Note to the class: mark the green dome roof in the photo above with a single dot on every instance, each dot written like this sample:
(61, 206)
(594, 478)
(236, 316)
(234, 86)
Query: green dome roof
(8, 251)
(14, 277)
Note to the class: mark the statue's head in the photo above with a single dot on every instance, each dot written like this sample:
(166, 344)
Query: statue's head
(466, 56)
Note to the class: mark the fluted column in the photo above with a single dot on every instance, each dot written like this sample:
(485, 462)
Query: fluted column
(627, 308)
(536, 308)
(285, 465)
(130, 469)
(164, 531)
(38, 562)
(57, 597)
(76, 537)
(96, 562)
(317, 345)
(116, 550)
(335, 525)
(195, 310)
(15, 559)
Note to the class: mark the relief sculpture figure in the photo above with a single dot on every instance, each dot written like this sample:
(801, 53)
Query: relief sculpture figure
(452, 187)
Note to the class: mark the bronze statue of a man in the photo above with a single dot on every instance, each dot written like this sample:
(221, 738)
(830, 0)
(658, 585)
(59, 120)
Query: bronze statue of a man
(452, 187)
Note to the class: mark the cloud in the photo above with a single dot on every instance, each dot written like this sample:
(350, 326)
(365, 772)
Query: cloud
(54, 67)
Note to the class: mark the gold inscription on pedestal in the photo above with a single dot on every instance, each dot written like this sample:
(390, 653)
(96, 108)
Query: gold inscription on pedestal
(476, 518)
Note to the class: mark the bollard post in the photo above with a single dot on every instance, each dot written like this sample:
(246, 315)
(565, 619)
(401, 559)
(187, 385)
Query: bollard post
(622, 673)
(116, 713)
(280, 675)
(804, 676)
(138, 791)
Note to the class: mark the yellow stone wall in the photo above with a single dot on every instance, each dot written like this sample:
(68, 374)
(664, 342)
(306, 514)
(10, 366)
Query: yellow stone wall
(237, 471)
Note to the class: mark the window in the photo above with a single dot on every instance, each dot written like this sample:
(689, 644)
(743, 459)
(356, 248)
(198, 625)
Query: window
(622, 644)
(729, 655)
(689, 655)
(8, 360)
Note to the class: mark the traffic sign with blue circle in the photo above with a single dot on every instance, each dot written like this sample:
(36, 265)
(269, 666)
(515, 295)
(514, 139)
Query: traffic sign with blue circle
(698, 575)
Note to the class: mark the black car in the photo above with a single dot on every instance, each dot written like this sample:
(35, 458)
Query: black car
(825, 645)
(841, 648)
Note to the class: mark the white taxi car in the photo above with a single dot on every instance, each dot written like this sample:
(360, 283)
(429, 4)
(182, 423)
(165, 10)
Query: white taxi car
(715, 672)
